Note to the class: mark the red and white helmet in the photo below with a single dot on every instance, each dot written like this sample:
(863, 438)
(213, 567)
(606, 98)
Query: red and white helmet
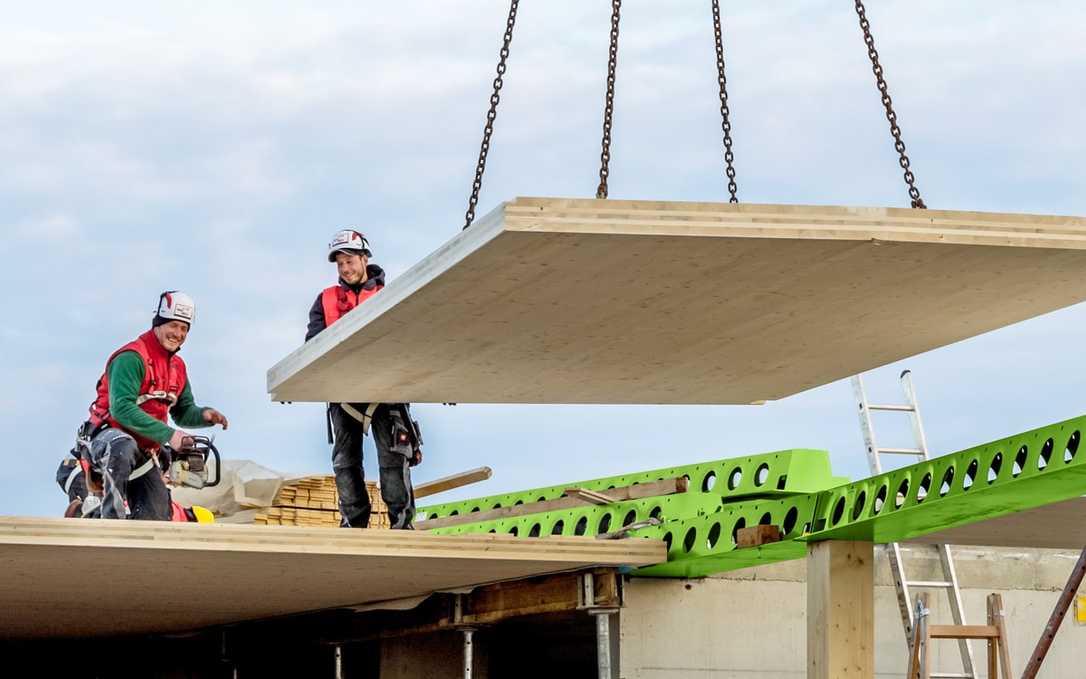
(174, 305)
(349, 241)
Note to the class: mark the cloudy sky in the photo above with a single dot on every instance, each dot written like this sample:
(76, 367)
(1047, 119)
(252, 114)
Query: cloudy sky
(215, 147)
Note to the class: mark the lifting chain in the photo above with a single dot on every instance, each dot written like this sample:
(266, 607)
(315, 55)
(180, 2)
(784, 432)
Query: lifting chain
(876, 67)
(491, 115)
(725, 112)
(609, 107)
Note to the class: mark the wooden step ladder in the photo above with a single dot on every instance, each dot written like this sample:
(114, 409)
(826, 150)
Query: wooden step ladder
(994, 633)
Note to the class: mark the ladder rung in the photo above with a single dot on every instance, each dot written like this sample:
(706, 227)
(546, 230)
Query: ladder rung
(891, 408)
(951, 675)
(901, 451)
(929, 583)
(963, 631)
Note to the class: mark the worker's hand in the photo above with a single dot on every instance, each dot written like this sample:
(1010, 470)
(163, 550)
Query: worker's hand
(212, 416)
(416, 460)
(180, 440)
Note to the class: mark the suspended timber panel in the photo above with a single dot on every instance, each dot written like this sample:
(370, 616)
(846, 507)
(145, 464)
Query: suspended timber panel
(1055, 526)
(67, 577)
(587, 301)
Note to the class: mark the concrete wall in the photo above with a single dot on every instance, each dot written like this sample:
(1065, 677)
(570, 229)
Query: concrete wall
(752, 624)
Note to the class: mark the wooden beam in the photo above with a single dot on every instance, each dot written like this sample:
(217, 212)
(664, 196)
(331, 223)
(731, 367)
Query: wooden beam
(486, 605)
(635, 492)
(840, 610)
(453, 481)
(963, 632)
(590, 496)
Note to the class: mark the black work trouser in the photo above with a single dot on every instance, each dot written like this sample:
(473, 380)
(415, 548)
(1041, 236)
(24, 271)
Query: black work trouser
(393, 461)
(71, 479)
(114, 455)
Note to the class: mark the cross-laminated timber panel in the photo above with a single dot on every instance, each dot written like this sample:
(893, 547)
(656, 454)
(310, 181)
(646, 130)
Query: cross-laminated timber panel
(584, 301)
(68, 577)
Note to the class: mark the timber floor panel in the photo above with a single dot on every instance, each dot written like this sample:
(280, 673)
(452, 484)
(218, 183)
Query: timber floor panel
(584, 301)
(76, 578)
(1061, 525)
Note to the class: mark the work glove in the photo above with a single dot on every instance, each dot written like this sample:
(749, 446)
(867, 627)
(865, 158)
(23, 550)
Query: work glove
(212, 416)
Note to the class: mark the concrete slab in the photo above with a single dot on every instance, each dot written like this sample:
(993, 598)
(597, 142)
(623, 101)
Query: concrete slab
(583, 301)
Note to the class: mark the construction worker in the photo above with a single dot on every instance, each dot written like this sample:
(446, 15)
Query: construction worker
(394, 432)
(144, 383)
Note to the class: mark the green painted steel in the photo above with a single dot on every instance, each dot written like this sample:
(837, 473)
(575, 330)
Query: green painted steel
(1024, 471)
(1028, 470)
(785, 472)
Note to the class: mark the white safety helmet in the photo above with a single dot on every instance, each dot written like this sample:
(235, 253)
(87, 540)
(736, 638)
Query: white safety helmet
(174, 305)
(348, 241)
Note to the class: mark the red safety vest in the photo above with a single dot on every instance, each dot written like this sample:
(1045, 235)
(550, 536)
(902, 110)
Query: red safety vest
(164, 378)
(338, 300)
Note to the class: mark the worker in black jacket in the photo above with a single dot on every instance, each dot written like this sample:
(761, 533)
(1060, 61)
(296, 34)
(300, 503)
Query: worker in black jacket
(396, 435)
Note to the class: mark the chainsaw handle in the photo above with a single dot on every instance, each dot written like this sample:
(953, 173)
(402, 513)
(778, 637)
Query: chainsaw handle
(218, 464)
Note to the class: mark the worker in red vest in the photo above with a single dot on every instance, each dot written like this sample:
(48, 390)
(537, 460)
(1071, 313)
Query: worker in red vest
(394, 432)
(144, 384)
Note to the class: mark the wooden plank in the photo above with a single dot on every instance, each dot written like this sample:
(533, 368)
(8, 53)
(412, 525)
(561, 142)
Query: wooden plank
(635, 492)
(963, 632)
(840, 610)
(240, 573)
(584, 301)
(590, 496)
(452, 481)
(755, 536)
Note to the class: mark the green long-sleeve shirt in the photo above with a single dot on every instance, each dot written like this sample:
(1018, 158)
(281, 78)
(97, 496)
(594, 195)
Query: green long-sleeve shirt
(125, 377)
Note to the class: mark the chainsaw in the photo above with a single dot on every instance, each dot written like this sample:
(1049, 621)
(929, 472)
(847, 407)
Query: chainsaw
(190, 465)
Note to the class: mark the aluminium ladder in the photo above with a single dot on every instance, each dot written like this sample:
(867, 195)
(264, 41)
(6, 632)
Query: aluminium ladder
(949, 583)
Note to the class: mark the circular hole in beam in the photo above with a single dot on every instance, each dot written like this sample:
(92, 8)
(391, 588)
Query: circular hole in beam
(631, 517)
(690, 539)
(858, 508)
(1019, 462)
(667, 541)
(1071, 448)
(766, 520)
(762, 475)
(924, 488)
(902, 493)
(714, 536)
(880, 500)
(558, 527)
(534, 532)
(708, 482)
(970, 476)
(514, 531)
(838, 511)
(790, 520)
(735, 478)
(994, 467)
(948, 478)
(1046, 454)
(581, 527)
(604, 524)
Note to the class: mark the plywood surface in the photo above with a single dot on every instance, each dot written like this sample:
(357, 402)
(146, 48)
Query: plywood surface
(67, 577)
(587, 301)
(1057, 526)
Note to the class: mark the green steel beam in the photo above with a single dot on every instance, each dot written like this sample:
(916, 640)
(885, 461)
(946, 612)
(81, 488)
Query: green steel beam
(782, 473)
(1020, 472)
(1028, 470)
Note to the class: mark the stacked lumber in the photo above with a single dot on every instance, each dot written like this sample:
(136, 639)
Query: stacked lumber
(314, 502)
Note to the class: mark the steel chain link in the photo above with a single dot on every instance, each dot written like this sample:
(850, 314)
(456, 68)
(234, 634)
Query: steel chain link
(609, 107)
(725, 112)
(895, 130)
(491, 114)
